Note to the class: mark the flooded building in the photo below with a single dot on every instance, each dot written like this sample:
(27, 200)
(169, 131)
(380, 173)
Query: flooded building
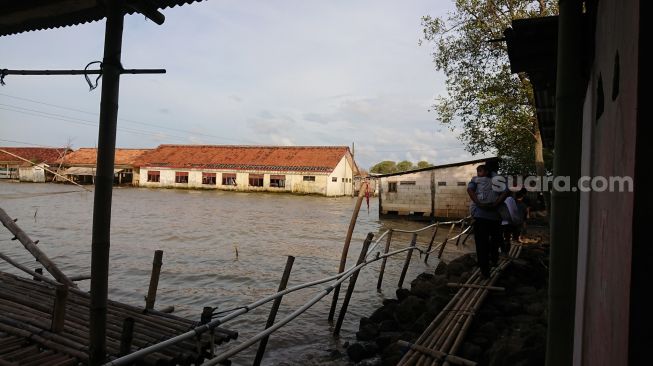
(434, 192)
(80, 165)
(323, 170)
(28, 164)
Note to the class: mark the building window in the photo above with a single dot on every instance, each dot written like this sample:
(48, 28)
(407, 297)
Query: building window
(334, 179)
(442, 184)
(278, 181)
(407, 182)
(392, 186)
(309, 178)
(209, 178)
(228, 179)
(462, 183)
(154, 176)
(181, 177)
(256, 180)
(344, 180)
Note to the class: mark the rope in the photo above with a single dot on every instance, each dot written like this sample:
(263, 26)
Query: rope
(88, 80)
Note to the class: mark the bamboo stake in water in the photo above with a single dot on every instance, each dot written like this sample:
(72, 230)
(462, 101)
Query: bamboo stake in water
(435, 232)
(273, 311)
(385, 259)
(413, 242)
(154, 279)
(345, 248)
(352, 283)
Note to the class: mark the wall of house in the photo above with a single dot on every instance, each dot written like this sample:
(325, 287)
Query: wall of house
(34, 174)
(344, 174)
(8, 170)
(605, 247)
(418, 193)
(294, 181)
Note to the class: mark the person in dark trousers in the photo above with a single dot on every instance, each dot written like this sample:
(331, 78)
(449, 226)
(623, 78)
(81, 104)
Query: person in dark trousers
(487, 221)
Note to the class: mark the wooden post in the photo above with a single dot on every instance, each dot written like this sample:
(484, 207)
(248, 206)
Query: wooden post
(446, 240)
(154, 280)
(435, 232)
(385, 251)
(34, 250)
(59, 309)
(345, 249)
(352, 283)
(413, 242)
(127, 336)
(101, 236)
(273, 311)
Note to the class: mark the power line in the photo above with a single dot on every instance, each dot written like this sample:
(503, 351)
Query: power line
(127, 120)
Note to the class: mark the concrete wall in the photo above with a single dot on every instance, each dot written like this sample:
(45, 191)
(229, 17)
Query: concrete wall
(443, 191)
(34, 174)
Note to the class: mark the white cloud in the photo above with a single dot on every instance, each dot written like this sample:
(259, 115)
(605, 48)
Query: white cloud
(283, 72)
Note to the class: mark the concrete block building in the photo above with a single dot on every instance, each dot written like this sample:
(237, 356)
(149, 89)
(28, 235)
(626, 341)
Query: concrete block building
(428, 193)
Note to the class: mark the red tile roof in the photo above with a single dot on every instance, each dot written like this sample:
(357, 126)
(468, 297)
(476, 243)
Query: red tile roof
(275, 158)
(88, 156)
(34, 154)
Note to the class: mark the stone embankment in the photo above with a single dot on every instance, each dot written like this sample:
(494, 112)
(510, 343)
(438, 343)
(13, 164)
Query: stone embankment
(510, 328)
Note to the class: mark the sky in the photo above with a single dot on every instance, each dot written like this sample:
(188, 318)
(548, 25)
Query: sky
(246, 73)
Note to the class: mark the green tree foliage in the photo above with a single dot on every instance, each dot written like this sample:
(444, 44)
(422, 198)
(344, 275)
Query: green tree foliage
(492, 108)
(384, 167)
(423, 164)
(402, 166)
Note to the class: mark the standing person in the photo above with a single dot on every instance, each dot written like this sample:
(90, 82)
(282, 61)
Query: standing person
(487, 221)
(513, 219)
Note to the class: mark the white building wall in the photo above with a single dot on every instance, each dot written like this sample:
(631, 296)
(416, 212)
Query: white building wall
(294, 181)
(450, 184)
(34, 173)
(341, 187)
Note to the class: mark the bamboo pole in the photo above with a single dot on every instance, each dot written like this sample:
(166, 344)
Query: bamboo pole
(385, 259)
(127, 336)
(444, 243)
(34, 250)
(100, 239)
(44, 168)
(428, 250)
(35, 275)
(413, 243)
(345, 248)
(452, 284)
(438, 355)
(273, 311)
(154, 279)
(59, 309)
(352, 284)
(409, 359)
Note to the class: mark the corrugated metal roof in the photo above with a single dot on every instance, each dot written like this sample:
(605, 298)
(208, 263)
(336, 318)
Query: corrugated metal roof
(88, 156)
(34, 154)
(18, 16)
(477, 161)
(276, 158)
